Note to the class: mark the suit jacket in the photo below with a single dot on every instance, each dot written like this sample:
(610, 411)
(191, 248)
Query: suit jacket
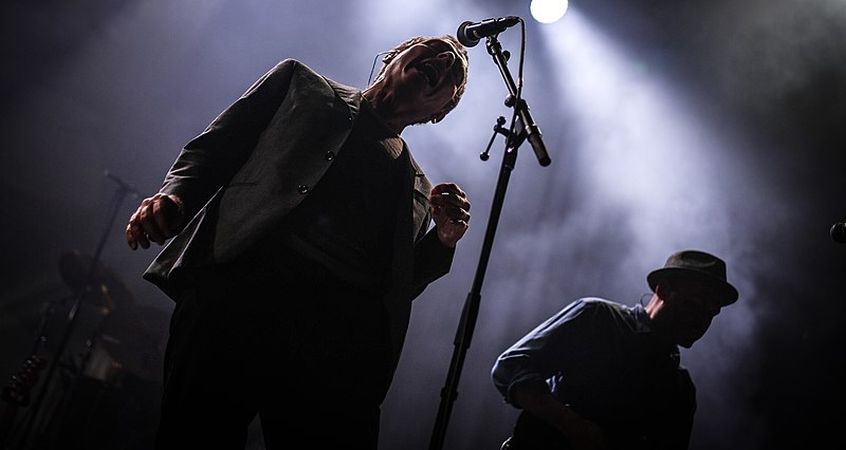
(258, 160)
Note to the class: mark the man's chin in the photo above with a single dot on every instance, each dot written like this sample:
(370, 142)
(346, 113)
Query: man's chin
(688, 341)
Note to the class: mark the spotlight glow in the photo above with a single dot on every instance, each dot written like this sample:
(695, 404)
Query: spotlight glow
(548, 11)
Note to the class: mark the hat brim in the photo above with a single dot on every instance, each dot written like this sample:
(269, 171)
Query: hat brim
(727, 293)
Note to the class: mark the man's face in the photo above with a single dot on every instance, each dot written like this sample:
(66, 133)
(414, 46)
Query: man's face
(689, 308)
(425, 77)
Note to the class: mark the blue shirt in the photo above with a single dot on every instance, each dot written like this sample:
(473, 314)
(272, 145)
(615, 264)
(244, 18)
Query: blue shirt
(604, 360)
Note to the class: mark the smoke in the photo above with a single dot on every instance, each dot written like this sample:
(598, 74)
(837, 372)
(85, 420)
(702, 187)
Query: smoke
(764, 50)
(645, 162)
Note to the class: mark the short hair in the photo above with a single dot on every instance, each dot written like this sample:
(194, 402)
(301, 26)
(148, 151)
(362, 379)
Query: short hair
(462, 56)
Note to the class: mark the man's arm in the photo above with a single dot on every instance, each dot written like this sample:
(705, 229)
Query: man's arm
(433, 253)
(432, 260)
(520, 373)
(450, 210)
(536, 398)
(209, 160)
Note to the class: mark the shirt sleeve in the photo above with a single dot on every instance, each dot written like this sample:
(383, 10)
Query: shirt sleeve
(210, 160)
(547, 350)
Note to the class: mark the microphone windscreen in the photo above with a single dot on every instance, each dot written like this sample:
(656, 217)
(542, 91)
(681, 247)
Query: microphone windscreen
(464, 37)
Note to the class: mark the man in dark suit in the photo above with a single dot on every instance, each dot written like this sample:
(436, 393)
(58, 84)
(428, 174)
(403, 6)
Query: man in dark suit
(300, 226)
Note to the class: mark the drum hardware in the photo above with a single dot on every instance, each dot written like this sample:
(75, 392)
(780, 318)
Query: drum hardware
(89, 280)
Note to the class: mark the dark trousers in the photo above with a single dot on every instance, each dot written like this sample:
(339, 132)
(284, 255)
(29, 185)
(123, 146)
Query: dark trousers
(306, 352)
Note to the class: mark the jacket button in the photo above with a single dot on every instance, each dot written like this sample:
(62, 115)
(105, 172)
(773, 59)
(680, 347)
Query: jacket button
(302, 189)
(329, 156)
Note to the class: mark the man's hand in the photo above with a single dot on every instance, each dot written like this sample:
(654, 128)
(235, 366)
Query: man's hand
(451, 212)
(157, 219)
(583, 434)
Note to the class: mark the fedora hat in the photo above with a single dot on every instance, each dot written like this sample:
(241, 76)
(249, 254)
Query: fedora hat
(699, 265)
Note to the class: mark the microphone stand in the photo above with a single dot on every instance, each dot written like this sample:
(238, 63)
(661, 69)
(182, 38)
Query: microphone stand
(123, 189)
(524, 128)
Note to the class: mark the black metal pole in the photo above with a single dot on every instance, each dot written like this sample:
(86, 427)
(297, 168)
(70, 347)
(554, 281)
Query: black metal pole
(467, 323)
(120, 193)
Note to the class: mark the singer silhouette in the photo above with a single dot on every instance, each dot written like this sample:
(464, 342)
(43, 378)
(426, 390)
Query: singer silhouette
(299, 227)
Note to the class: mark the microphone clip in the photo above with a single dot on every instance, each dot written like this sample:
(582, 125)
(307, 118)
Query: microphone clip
(497, 129)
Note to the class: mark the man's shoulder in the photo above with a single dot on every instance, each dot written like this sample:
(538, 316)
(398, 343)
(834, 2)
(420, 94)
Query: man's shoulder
(291, 64)
(613, 314)
(586, 308)
(600, 304)
(604, 308)
(349, 94)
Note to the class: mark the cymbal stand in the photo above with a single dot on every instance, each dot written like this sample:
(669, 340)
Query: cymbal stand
(121, 191)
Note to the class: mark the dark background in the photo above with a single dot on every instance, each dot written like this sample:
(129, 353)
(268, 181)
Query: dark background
(672, 124)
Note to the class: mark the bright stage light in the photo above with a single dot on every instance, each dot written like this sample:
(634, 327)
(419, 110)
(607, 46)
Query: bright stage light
(548, 11)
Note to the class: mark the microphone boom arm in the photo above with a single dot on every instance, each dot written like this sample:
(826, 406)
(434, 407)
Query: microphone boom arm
(533, 132)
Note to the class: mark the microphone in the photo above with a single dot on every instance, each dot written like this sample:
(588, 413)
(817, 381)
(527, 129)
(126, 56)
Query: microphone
(470, 33)
(838, 232)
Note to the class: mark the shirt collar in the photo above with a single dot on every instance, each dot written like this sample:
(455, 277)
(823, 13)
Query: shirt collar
(643, 324)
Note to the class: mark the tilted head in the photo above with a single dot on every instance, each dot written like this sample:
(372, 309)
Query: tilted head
(423, 78)
(689, 292)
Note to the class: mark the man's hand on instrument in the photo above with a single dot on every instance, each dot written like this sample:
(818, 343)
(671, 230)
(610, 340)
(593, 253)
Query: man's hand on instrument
(583, 434)
(451, 212)
(157, 219)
